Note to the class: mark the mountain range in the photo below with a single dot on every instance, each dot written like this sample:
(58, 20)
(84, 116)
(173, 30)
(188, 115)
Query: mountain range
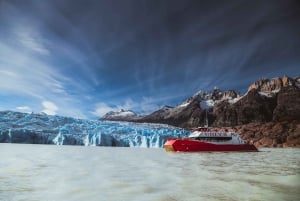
(272, 103)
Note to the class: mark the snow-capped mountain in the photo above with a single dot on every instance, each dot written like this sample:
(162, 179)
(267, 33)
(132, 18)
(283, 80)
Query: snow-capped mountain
(119, 115)
(265, 100)
(189, 113)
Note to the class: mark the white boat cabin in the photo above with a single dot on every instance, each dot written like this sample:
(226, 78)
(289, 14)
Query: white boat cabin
(216, 136)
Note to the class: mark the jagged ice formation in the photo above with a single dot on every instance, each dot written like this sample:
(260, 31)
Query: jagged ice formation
(16, 127)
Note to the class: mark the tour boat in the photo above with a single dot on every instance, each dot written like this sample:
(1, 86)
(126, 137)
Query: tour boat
(209, 139)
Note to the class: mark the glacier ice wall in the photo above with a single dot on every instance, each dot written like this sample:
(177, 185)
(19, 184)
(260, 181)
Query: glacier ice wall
(16, 127)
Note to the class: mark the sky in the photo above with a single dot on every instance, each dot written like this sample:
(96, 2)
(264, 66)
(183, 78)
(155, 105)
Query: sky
(83, 58)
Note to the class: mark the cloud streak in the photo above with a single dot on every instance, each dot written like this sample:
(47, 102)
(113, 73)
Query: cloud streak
(140, 55)
(27, 69)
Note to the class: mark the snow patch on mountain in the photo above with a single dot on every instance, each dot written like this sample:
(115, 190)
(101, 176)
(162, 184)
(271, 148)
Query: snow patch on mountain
(206, 104)
(269, 94)
(297, 82)
(184, 104)
(124, 113)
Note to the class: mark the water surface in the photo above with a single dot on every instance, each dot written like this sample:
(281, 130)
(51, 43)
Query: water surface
(71, 173)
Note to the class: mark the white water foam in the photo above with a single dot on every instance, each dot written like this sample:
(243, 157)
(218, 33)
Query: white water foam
(74, 173)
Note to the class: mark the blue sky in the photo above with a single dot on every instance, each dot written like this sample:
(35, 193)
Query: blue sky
(85, 58)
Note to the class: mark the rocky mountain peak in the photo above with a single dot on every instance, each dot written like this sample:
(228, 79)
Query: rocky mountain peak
(272, 86)
(230, 94)
(266, 85)
(215, 95)
(287, 81)
(267, 100)
(112, 115)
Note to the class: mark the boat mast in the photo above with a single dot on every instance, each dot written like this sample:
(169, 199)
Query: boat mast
(206, 120)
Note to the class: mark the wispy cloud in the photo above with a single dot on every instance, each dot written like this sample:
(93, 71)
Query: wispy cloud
(30, 73)
(49, 108)
(31, 39)
(102, 108)
(30, 66)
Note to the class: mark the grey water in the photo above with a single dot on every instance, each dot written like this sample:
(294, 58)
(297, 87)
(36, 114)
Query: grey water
(71, 173)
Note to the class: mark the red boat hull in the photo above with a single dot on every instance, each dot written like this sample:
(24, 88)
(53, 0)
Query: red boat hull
(187, 145)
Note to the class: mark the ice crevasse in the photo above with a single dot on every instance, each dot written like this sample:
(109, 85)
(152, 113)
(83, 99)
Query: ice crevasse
(16, 127)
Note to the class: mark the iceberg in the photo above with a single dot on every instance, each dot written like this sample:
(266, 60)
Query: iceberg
(16, 127)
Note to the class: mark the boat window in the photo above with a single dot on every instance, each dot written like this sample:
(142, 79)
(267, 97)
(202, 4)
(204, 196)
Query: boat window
(213, 138)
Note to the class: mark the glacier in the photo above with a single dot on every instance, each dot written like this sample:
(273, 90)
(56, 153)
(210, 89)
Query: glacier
(17, 127)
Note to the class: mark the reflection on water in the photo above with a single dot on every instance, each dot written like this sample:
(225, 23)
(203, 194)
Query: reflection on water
(45, 172)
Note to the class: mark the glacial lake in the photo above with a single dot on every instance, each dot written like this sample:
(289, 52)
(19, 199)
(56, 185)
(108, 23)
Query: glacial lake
(76, 173)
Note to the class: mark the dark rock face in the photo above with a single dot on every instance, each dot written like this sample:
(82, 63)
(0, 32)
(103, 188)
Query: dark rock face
(288, 104)
(266, 100)
(181, 116)
(271, 134)
(251, 108)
